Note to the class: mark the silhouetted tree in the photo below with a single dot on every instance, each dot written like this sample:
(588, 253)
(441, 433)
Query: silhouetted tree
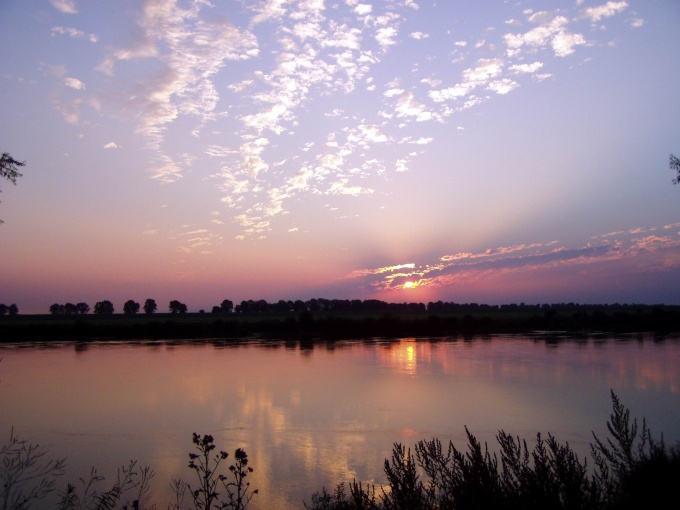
(177, 307)
(103, 307)
(56, 309)
(130, 307)
(216, 309)
(150, 306)
(13, 309)
(3, 309)
(674, 164)
(8, 168)
(83, 308)
(227, 306)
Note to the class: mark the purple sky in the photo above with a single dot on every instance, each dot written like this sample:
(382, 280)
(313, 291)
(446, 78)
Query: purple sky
(404, 150)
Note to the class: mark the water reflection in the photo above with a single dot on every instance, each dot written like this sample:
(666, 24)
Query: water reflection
(310, 415)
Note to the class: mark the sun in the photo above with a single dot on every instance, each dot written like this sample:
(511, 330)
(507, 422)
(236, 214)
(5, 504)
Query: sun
(409, 285)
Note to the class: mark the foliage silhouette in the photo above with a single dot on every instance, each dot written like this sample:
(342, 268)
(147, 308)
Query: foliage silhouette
(177, 307)
(12, 309)
(130, 307)
(25, 475)
(150, 306)
(674, 164)
(130, 490)
(103, 307)
(206, 464)
(227, 306)
(632, 470)
(9, 169)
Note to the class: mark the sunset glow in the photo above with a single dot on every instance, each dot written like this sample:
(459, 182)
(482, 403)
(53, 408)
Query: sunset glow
(403, 150)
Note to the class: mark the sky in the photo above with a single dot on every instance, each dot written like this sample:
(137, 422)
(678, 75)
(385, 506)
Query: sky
(405, 150)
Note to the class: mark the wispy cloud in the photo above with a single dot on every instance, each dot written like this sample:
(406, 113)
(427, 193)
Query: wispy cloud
(294, 74)
(192, 51)
(628, 247)
(74, 33)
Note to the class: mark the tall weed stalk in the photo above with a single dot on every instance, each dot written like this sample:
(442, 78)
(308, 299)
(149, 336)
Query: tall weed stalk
(25, 475)
(214, 489)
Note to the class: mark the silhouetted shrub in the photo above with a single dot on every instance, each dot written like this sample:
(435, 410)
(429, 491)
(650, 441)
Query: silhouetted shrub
(632, 470)
(208, 493)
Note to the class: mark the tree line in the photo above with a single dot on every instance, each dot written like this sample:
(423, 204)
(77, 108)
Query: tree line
(105, 307)
(131, 307)
(318, 305)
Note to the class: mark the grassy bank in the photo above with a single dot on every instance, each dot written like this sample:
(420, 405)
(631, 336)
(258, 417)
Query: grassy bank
(342, 324)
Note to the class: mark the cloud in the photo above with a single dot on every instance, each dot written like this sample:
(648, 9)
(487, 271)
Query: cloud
(381, 270)
(65, 6)
(112, 145)
(389, 28)
(363, 9)
(550, 31)
(408, 106)
(74, 33)
(271, 9)
(526, 68)
(486, 69)
(473, 77)
(372, 134)
(74, 83)
(291, 97)
(659, 253)
(401, 165)
(70, 110)
(604, 11)
(192, 50)
(503, 86)
(341, 187)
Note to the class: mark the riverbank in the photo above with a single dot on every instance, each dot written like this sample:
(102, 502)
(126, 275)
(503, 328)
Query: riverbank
(342, 324)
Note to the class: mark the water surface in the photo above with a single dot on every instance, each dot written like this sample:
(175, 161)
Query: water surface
(312, 416)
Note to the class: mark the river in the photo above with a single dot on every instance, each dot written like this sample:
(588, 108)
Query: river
(311, 416)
